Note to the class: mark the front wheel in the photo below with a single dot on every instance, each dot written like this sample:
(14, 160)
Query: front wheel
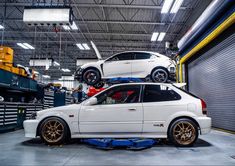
(53, 131)
(183, 132)
(159, 75)
(91, 76)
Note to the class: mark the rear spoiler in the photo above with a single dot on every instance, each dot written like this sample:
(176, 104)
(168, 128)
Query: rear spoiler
(96, 51)
(179, 85)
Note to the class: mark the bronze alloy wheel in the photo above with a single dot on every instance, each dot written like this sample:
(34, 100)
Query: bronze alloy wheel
(52, 131)
(184, 133)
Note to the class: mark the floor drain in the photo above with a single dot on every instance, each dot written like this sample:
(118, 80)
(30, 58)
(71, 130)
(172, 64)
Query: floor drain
(233, 157)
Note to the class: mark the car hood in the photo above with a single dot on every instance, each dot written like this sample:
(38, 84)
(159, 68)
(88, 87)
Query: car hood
(92, 64)
(60, 109)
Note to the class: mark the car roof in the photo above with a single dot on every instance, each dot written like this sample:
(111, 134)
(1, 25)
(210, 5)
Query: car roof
(142, 83)
(150, 52)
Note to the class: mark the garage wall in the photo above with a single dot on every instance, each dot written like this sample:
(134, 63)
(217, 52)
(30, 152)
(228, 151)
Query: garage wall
(212, 77)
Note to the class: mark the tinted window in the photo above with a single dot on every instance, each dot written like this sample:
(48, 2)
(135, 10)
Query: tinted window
(122, 57)
(120, 95)
(156, 93)
(142, 55)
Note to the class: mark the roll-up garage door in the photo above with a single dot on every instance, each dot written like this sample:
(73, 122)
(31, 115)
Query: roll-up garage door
(212, 77)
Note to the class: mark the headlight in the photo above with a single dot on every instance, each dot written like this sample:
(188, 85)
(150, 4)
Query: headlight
(33, 115)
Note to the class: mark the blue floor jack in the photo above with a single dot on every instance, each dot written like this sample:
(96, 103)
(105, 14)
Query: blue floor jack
(132, 144)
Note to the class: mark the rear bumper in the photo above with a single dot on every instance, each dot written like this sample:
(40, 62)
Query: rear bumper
(205, 124)
(30, 128)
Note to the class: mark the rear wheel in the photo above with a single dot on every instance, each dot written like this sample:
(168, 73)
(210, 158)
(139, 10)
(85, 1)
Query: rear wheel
(53, 131)
(183, 132)
(91, 76)
(159, 75)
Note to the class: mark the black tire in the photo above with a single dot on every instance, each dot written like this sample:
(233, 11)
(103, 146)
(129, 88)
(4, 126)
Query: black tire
(91, 76)
(53, 135)
(99, 85)
(180, 137)
(159, 75)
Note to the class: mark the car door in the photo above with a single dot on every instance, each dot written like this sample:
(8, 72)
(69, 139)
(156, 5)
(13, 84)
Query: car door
(118, 110)
(118, 66)
(159, 103)
(142, 64)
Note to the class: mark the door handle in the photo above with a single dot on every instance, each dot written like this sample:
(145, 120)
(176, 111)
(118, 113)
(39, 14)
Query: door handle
(132, 109)
(127, 63)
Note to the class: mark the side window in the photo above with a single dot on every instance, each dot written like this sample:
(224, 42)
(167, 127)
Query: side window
(142, 55)
(120, 95)
(157, 93)
(122, 57)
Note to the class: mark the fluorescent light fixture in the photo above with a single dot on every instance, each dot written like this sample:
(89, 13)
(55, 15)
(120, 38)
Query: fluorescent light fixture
(176, 6)
(66, 27)
(1, 27)
(161, 36)
(65, 70)
(80, 46)
(85, 46)
(154, 36)
(166, 6)
(74, 26)
(22, 45)
(69, 27)
(29, 46)
(56, 63)
(25, 46)
(46, 76)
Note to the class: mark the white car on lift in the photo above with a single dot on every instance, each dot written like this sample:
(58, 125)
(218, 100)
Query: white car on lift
(137, 64)
(145, 110)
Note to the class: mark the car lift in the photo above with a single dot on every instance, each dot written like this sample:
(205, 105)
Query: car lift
(110, 143)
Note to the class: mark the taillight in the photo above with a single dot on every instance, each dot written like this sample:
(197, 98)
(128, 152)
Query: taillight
(204, 110)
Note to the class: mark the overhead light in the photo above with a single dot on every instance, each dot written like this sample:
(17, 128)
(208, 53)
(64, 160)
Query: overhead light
(74, 26)
(1, 27)
(56, 63)
(69, 27)
(85, 46)
(166, 6)
(176, 6)
(161, 36)
(25, 46)
(154, 36)
(29, 46)
(66, 27)
(46, 76)
(80, 46)
(22, 45)
(65, 70)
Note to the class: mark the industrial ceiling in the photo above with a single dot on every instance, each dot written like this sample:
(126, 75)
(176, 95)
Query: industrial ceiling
(113, 25)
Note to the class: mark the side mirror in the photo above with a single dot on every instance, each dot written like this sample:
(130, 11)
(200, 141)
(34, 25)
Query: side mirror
(91, 101)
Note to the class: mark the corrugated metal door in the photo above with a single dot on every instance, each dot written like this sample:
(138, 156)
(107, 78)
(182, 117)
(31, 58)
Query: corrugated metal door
(212, 77)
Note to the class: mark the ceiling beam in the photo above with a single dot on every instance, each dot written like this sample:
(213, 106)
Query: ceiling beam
(92, 33)
(92, 5)
(138, 22)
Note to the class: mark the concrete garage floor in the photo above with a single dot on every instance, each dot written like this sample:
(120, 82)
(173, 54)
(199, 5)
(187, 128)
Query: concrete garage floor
(215, 148)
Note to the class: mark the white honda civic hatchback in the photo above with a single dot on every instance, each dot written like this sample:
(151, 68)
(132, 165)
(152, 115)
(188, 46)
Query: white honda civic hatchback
(137, 64)
(144, 110)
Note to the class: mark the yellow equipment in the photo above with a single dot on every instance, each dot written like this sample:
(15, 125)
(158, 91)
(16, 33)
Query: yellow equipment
(6, 61)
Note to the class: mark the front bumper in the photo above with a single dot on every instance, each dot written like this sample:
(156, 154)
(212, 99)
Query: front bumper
(205, 124)
(30, 128)
(78, 74)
